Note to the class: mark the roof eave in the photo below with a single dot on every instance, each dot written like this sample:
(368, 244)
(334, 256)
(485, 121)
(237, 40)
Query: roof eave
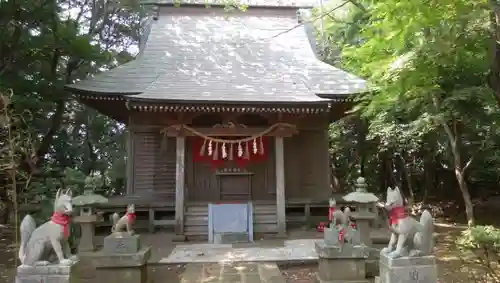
(226, 102)
(159, 3)
(81, 91)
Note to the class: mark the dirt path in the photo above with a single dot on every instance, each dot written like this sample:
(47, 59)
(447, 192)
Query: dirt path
(454, 266)
(7, 250)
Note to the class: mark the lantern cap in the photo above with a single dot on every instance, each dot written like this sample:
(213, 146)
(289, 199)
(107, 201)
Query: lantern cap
(361, 195)
(88, 198)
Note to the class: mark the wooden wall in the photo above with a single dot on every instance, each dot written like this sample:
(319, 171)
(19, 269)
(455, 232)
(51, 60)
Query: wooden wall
(306, 167)
(154, 163)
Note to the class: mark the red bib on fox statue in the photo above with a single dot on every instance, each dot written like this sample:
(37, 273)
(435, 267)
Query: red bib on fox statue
(397, 213)
(63, 220)
(131, 218)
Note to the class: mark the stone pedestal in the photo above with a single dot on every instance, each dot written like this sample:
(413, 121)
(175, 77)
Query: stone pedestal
(47, 274)
(121, 243)
(408, 269)
(331, 236)
(122, 260)
(341, 263)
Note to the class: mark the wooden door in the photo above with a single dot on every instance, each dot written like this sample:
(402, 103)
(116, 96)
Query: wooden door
(235, 187)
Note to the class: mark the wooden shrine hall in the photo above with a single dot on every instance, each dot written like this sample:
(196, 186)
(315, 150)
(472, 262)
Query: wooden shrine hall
(224, 107)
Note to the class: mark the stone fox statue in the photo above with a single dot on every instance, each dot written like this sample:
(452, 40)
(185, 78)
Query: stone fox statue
(125, 222)
(336, 216)
(45, 244)
(409, 237)
(342, 221)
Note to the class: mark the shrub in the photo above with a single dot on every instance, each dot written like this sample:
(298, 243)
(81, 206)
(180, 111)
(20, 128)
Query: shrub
(483, 241)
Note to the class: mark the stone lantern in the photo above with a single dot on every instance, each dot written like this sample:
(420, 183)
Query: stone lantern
(365, 209)
(364, 216)
(87, 218)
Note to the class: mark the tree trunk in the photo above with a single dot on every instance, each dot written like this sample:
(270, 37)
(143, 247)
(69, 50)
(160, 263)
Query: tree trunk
(469, 207)
(429, 173)
(334, 180)
(407, 175)
(454, 138)
(362, 132)
(494, 76)
(5, 206)
(382, 180)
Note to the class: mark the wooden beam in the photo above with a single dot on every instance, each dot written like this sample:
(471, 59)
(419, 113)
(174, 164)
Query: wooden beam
(177, 130)
(280, 186)
(179, 184)
(130, 158)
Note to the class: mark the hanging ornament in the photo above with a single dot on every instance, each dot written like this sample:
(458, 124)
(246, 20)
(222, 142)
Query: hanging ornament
(231, 152)
(202, 149)
(247, 151)
(216, 151)
(210, 148)
(261, 146)
(254, 146)
(224, 151)
(240, 150)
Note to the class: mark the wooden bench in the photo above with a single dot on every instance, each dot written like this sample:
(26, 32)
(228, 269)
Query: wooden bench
(308, 204)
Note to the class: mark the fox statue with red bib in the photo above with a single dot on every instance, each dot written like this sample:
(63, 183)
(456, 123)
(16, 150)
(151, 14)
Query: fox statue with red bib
(409, 237)
(49, 242)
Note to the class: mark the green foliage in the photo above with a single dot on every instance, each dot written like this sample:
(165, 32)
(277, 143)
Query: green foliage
(480, 237)
(431, 122)
(56, 141)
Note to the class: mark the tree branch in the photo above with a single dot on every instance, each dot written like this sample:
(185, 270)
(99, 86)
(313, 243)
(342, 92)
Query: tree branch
(359, 5)
(446, 127)
(469, 162)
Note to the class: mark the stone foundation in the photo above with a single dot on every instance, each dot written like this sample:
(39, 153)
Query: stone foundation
(230, 238)
(122, 260)
(372, 263)
(408, 269)
(341, 264)
(53, 273)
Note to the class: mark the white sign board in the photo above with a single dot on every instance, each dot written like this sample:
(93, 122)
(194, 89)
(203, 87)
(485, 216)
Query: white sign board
(230, 218)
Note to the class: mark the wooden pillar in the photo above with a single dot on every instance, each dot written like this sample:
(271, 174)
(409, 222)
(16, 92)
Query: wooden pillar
(130, 159)
(179, 185)
(328, 164)
(280, 185)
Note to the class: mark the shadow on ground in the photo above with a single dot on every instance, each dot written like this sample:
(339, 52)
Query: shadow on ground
(454, 265)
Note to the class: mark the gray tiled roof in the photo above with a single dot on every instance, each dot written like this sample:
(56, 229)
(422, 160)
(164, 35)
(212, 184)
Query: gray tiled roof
(195, 54)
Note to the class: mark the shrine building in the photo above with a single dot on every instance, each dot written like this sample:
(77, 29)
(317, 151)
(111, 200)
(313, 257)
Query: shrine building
(224, 107)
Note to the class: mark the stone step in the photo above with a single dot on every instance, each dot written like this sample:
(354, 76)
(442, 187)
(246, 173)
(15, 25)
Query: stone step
(237, 272)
